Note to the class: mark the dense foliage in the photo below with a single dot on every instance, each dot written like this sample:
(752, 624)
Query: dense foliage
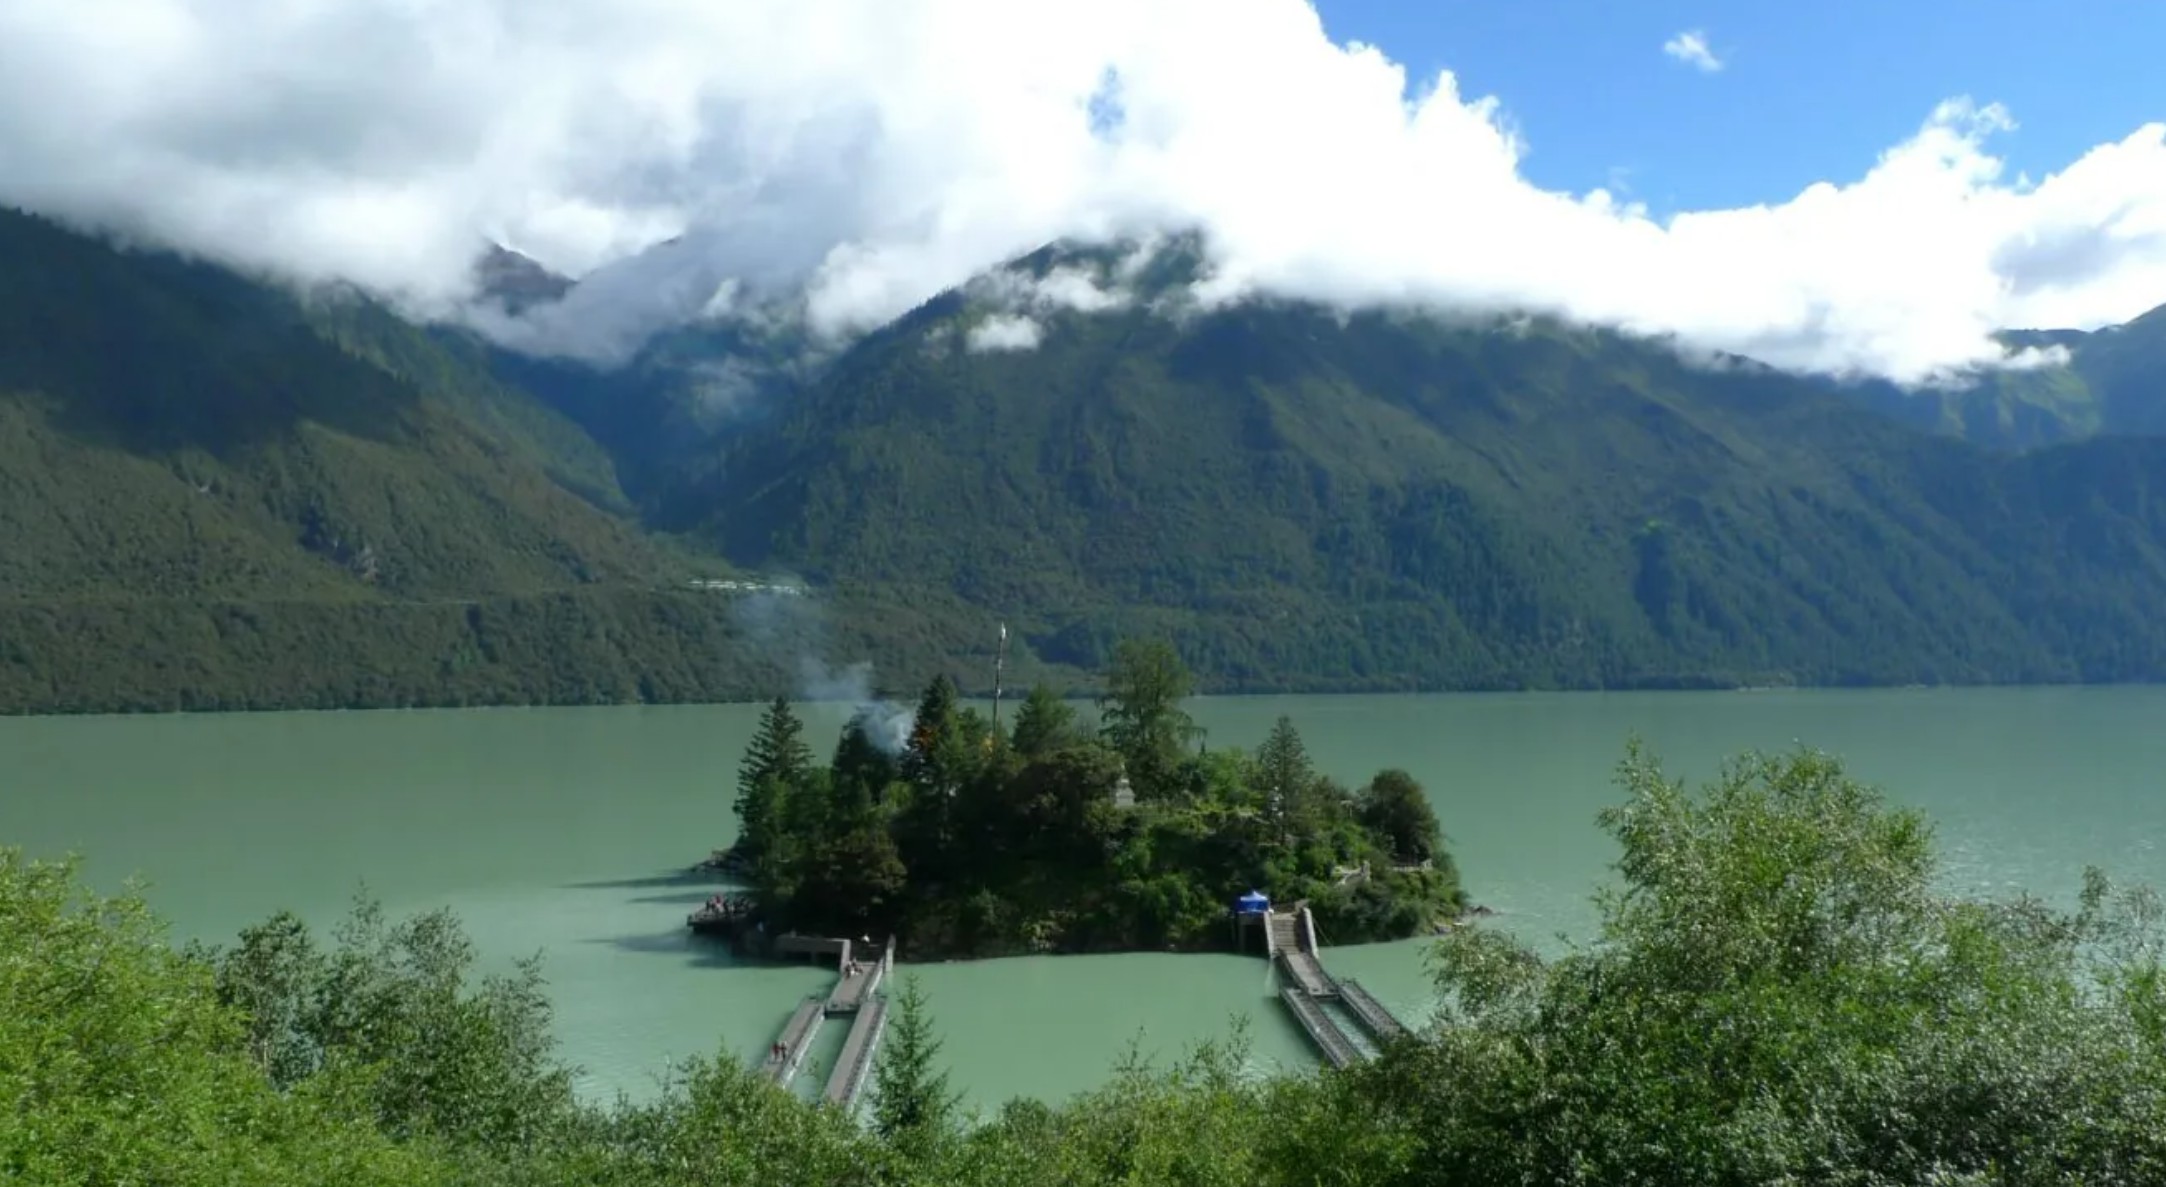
(967, 839)
(1778, 995)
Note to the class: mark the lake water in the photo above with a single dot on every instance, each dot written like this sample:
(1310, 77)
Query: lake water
(563, 831)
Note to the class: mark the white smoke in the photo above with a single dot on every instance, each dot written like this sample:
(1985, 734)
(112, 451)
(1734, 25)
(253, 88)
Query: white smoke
(792, 630)
(886, 723)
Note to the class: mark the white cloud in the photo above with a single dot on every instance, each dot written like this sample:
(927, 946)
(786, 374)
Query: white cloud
(1003, 331)
(1690, 47)
(840, 161)
(1077, 288)
(1074, 288)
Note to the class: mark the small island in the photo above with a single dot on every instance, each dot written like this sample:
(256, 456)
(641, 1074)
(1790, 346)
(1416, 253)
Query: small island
(967, 839)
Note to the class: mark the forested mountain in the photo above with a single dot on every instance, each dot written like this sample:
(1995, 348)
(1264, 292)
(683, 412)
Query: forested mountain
(2110, 382)
(1309, 500)
(215, 493)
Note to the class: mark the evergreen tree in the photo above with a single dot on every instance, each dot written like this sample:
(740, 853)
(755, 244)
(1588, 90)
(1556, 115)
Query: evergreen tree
(1044, 724)
(860, 763)
(776, 759)
(914, 1106)
(850, 805)
(1283, 772)
(927, 760)
(801, 828)
(1141, 710)
(937, 762)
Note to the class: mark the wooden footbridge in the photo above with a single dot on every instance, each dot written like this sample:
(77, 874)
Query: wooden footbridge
(1307, 990)
(861, 968)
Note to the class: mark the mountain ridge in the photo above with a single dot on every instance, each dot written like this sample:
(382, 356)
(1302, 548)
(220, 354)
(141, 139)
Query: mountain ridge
(217, 494)
(1379, 443)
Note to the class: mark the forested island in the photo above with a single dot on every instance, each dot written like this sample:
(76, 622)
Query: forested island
(971, 837)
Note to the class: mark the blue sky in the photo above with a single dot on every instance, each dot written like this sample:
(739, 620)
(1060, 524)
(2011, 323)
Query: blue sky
(1808, 91)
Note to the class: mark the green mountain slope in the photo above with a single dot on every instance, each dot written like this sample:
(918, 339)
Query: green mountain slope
(214, 493)
(1304, 500)
(155, 406)
(2113, 383)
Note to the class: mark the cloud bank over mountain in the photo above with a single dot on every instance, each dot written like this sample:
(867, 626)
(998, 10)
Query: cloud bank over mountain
(852, 157)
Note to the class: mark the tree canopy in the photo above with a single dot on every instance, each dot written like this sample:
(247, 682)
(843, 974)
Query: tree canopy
(1044, 724)
(913, 1105)
(1141, 717)
(776, 758)
(1396, 808)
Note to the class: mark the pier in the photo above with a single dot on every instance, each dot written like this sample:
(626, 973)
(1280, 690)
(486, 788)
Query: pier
(1290, 943)
(847, 1081)
(859, 981)
(860, 969)
(1338, 1050)
(1371, 1012)
(788, 1054)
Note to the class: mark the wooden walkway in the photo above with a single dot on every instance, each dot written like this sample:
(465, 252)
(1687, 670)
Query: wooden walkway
(854, 1065)
(855, 993)
(1304, 970)
(1374, 1017)
(1338, 1050)
(1290, 938)
(858, 983)
(782, 1065)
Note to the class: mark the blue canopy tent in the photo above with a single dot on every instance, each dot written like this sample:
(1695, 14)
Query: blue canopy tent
(1248, 911)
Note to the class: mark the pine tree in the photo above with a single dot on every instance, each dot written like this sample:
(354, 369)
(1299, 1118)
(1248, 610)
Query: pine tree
(936, 763)
(914, 1105)
(1283, 772)
(860, 765)
(1044, 724)
(776, 759)
(925, 762)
